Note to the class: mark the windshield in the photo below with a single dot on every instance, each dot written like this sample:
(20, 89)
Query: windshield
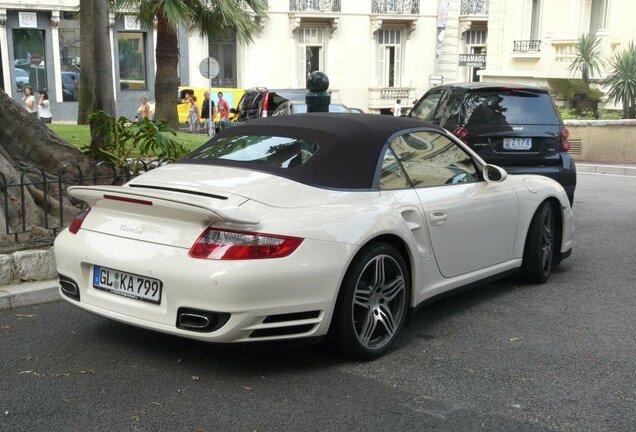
(504, 107)
(271, 151)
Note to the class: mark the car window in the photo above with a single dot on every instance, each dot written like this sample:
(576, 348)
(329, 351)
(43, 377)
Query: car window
(432, 159)
(425, 109)
(503, 107)
(391, 173)
(272, 151)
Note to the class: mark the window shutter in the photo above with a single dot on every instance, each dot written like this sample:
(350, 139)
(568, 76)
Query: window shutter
(302, 66)
(381, 66)
(398, 66)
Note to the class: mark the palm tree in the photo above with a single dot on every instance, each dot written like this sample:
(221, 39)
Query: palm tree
(212, 18)
(588, 59)
(621, 80)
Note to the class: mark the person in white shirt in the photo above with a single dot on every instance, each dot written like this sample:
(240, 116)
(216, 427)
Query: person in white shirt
(44, 107)
(29, 101)
(397, 109)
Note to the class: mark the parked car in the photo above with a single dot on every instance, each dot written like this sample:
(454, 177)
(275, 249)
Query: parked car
(70, 86)
(515, 126)
(21, 78)
(295, 107)
(306, 225)
(262, 102)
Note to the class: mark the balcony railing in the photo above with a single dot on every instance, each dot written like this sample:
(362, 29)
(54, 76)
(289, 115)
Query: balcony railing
(385, 97)
(314, 5)
(409, 7)
(522, 46)
(474, 7)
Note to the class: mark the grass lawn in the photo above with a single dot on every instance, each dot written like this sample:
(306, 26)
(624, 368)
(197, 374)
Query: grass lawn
(80, 136)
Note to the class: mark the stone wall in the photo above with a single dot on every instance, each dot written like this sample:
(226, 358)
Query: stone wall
(603, 141)
(27, 266)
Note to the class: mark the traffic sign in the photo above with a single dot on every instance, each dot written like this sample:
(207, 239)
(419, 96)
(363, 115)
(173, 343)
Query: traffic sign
(209, 67)
(36, 59)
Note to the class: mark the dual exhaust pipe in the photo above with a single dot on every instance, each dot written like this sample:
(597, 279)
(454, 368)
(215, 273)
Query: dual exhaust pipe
(201, 321)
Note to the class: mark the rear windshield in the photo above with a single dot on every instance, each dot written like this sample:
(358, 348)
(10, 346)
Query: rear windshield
(509, 107)
(270, 151)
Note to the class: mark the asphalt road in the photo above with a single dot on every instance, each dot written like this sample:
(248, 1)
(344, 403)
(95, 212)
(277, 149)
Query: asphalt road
(504, 357)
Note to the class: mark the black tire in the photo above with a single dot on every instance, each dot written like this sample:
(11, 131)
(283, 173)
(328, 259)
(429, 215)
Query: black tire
(539, 252)
(372, 308)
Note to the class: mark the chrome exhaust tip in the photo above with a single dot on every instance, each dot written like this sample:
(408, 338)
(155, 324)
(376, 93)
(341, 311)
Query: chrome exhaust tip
(193, 321)
(200, 320)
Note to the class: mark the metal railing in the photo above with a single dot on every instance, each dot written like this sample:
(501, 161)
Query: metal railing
(314, 5)
(409, 7)
(526, 46)
(53, 189)
(474, 7)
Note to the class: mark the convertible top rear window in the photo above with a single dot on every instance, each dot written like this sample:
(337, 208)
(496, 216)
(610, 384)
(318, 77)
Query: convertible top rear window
(270, 151)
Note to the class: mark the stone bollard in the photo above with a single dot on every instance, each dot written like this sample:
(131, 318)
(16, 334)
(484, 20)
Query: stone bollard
(317, 98)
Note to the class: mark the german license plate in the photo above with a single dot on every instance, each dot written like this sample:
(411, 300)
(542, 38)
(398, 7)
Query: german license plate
(517, 143)
(127, 284)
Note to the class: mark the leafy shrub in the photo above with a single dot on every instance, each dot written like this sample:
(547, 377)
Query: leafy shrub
(128, 143)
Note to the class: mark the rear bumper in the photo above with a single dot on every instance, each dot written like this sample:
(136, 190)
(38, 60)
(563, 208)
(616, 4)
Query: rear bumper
(564, 174)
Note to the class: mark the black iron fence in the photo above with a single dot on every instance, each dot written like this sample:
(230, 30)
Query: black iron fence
(314, 5)
(15, 197)
(527, 46)
(408, 7)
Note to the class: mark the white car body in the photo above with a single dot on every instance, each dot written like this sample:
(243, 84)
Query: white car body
(453, 235)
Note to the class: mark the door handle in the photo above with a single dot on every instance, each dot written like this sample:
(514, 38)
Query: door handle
(438, 217)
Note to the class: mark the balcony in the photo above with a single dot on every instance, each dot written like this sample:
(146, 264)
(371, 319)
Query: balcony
(405, 7)
(385, 97)
(525, 46)
(314, 5)
(474, 7)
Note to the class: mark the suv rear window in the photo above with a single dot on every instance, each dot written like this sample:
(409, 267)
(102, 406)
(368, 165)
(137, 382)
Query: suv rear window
(509, 107)
(271, 151)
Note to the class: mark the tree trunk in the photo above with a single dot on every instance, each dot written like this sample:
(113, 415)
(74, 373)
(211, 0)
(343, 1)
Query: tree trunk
(167, 77)
(96, 79)
(26, 141)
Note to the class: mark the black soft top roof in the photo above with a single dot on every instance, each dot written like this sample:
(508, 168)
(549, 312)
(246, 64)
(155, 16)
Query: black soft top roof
(349, 146)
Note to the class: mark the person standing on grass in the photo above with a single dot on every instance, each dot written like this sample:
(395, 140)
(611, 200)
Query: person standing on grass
(29, 101)
(143, 112)
(206, 115)
(193, 115)
(44, 107)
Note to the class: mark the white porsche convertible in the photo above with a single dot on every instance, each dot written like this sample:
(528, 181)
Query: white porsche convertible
(308, 225)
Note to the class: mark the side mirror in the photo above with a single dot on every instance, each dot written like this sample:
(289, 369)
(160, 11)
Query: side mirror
(494, 174)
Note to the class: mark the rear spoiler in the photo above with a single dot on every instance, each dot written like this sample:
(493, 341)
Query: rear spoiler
(225, 209)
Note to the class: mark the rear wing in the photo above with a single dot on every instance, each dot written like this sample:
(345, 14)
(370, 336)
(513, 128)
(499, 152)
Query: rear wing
(222, 206)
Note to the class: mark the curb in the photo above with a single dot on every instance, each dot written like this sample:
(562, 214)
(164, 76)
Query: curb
(31, 293)
(606, 169)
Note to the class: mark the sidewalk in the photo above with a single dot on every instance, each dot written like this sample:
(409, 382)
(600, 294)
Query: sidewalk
(13, 296)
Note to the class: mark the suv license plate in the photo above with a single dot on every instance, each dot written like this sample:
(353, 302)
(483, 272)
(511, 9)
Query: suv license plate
(127, 284)
(517, 143)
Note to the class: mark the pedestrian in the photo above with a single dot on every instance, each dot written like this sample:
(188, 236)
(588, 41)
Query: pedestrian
(29, 101)
(223, 107)
(397, 109)
(143, 112)
(44, 107)
(193, 115)
(207, 107)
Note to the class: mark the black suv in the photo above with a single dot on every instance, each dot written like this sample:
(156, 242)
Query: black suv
(515, 126)
(262, 102)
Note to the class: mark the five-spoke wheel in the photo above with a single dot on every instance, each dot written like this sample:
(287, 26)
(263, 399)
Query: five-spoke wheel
(373, 302)
(539, 252)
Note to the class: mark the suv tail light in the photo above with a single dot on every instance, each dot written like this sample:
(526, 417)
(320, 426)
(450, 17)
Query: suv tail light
(77, 221)
(462, 133)
(221, 244)
(265, 104)
(565, 142)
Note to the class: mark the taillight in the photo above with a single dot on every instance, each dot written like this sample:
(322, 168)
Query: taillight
(77, 221)
(565, 143)
(221, 244)
(265, 105)
(462, 134)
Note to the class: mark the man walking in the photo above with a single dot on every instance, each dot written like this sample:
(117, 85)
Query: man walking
(224, 107)
(207, 114)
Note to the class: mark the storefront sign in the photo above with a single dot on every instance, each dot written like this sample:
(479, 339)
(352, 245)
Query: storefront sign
(131, 23)
(472, 60)
(28, 19)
